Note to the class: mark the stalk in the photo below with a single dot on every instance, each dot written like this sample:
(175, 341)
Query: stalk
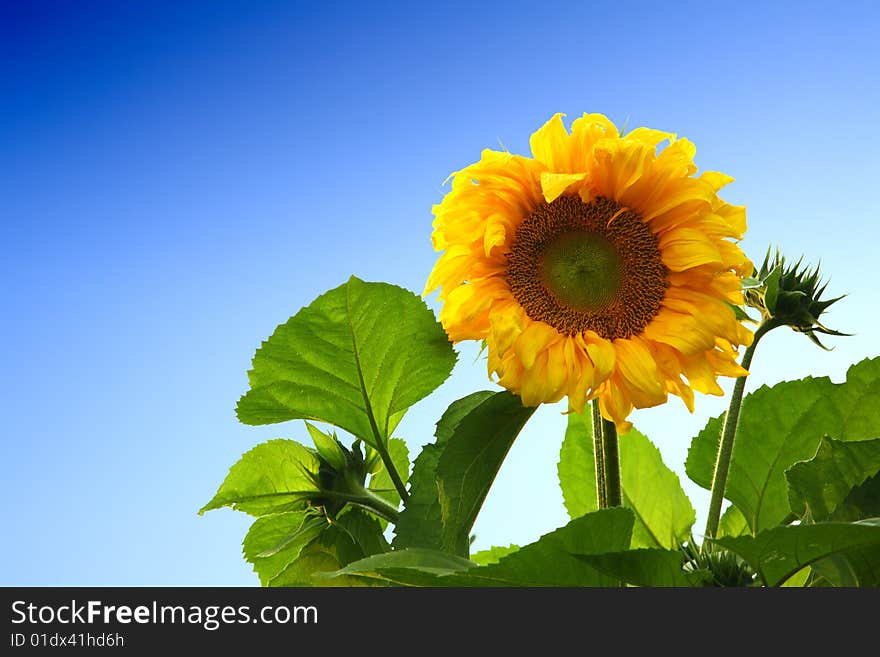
(599, 456)
(392, 471)
(368, 500)
(728, 435)
(611, 459)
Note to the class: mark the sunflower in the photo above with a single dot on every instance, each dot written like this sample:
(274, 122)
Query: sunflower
(600, 267)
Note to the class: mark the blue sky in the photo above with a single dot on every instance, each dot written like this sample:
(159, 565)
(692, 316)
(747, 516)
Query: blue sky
(177, 178)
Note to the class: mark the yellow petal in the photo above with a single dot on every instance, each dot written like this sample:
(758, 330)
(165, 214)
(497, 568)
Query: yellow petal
(593, 127)
(554, 185)
(733, 257)
(543, 383)
(679, 330)
(735, 215)
(510, 372)
(495, 235)
(708, 310)
(550, 145)
(725, 364)
(650, 136)
(683, 248)
(679, 156)
(601, 353)
(701, 377)
(688, 192)
(635, 362)
(715, 179)
(581, 373)
(614, 406)
(505, 327)
(535, 338)
(619, 164)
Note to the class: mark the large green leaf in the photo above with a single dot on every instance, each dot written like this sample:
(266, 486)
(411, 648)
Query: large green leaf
(470, 461)
(420, 523)
(365, 530)
(780, 426)
(270, 478)
(820, 485)
(863, 501)
(647, 567)
(778, 553)
(283, 546)
(664, 514)
(858, 566)
(333, 549)
(493, 554)
(553, 560)
(274, 541)
(733, 523)
(411, 566)
(357, 357)
(577, 465)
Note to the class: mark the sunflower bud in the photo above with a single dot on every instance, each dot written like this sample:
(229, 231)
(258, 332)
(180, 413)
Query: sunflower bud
(342, 472)
(718, 567)
(789, 295)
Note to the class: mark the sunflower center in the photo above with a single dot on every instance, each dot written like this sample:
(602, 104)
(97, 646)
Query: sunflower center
(582, 269)
(587, 266)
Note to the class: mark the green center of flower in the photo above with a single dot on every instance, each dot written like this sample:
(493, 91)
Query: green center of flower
(587, 266)
(582, 269)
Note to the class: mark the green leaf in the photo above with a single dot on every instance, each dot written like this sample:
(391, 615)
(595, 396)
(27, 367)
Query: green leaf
(860, 566)
(835, 570)
(413, 566)
(493, 554)
(272, 477)
(282, 536)
(328, 447)
(647, 567)
(799, 579)
(664, 514)
(820, 485)
(333, 549)
(553, 560)
(470, 461)
(577, 465)
(733, 523)
(780, 426)
(864, 566)
(364, 530)
(771, 288)
(777, 554)
(381, 482)
(357, 357)
(740, 313)
(420, 523)
(862, 502)
(840, 483)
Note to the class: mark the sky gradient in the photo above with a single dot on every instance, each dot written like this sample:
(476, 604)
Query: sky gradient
(178, 178)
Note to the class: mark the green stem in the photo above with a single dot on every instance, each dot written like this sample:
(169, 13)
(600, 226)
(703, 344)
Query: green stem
(368, 500)
(598, 456)
(392, 471)
(611, 458)
(728, 434)
(379, 505)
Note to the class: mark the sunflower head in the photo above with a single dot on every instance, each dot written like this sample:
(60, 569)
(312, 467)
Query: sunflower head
(790, 295)
(600, 267)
